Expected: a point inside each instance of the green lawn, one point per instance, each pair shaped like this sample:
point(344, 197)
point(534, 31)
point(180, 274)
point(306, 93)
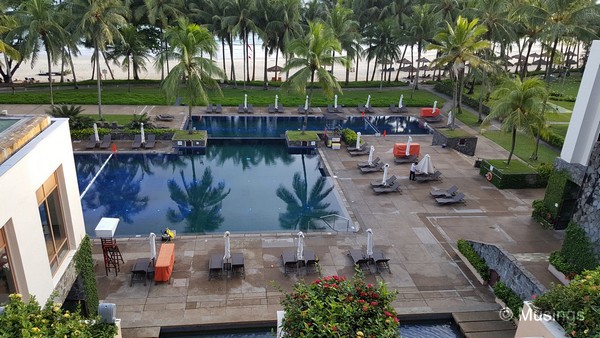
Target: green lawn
point(560, 129)
point(120, 119)
point(469, 119)
point(568, 86)
point(558, 117)
point(524, 147)
point(231, 97)
point(516, 166)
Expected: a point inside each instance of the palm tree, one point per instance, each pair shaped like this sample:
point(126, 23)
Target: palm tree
point(383, 46)
point(459, 46)
point(6, 24)
point(39, 23)
point(132, 49)
point(422, 25)
point(518, 104)
point(287, 27)
point(345, 29)
point(210, 12)
point(99, 22)
point(313, 53)
point(240, 21)
point(187, 41)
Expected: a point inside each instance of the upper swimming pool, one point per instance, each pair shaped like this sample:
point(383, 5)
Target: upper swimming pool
point(6, 123)
point(244, 126)
point(247, 186)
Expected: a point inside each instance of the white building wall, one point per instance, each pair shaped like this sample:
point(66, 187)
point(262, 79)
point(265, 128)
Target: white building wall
point(585, 121)
point(20, 177)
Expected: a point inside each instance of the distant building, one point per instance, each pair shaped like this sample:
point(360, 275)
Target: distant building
point(41, 221)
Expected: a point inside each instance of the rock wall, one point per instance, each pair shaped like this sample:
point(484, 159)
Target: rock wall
point(66, 282)
point(576, 171)
point(587, 211)
point(465, 145)
point(511, 272)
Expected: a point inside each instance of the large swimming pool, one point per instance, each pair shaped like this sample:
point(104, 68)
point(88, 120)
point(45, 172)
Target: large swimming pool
point(247, 186)
point(244, 126)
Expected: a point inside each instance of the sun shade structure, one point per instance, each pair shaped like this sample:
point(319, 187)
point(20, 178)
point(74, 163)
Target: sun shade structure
point(300, 247)
point(425, 166)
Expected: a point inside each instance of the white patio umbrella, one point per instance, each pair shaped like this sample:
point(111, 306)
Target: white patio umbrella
point(152, 240)
point(142, 132)
point(358, 140)
point(276, 98)
point(245, 101)
point(227, 255)
point(407, 152)
point(300, 248)
point(306, 104)
point(335, 101)
point(96, 136)
point(371, 151)
point(400, 101)
point(450, 118)
point(369, 242)
point(368, 101)
point(425, 166)
point(385, 173)
point(434, 105)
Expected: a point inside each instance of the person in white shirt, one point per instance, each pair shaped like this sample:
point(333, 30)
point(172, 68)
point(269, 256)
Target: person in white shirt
point(413, 171)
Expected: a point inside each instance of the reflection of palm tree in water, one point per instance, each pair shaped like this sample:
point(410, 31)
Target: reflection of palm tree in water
point(249, 155)
point(302, 205)
point(198, 202)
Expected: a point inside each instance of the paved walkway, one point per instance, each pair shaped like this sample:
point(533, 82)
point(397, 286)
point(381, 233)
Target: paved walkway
point(418, 236)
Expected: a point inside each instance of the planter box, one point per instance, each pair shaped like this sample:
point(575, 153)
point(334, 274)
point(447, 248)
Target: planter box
point(515, 318)
point(464, 144)
point(471, 267)
point(532, 325)
point(512, 180)
point(559, 275)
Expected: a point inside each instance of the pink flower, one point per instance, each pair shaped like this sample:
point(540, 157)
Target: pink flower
point(373, 303)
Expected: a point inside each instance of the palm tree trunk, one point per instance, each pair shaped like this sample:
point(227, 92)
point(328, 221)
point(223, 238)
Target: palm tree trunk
point(266, 85)
point(49, 74)
point(98, 81)
point(72, 67)
point(483, 88)
point(245, 61)
point(539, 65)
point(512, 146)
point(8, 77)
point(167, 56)
point(356, 67)
point(551, 59)
point(62, 65)
point(223, 52)
point(128, 78)
point(374, 69)
point(416, 86)
point(368, 66)
point(461, 85)
point(276, 60)
point(310, 95)
point(333, 63)
point(253, 57)
point(400, 66)
point(112, 75)
point(347, 73)
point(524, 69)
point(190, 115)
point(232, 76)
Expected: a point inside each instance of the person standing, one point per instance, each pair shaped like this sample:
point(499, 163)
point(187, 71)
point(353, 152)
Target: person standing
point(413, 171)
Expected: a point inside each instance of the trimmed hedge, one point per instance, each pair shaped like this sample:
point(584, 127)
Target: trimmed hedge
point(577, 250)
point(512, 180)
point(349, 137)
point(478, 263)
point(83, 134)
point(84, 264)
point(509, 297)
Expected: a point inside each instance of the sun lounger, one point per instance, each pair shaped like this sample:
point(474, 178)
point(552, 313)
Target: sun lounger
point(444, 192)
point(311, 261)
point(91, 143)
point(106, 141)
point(398, 110)
point(290, 261)
point(360, 259)
point(377, 167)
point(388, 182)
point(248, 109)
point(150, 141)
point(215, 266)
point(364, 151)
point(105, 125)
point(375, 161)
point(380, 260)
point(458, 198)
point(362, 147)
point(436, 176)
point(433, 119)
point(137, 141)
point(395, 187)
point(237, 264)
point(365, 109)
point(164, 117)
point(271, 109)
point(406, 159)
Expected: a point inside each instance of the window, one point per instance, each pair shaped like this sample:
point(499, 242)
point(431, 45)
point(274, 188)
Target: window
point(7, 281)
point(53, 223)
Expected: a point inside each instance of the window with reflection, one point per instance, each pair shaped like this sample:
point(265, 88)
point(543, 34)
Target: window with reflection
point(7, 280)
point(53, 224)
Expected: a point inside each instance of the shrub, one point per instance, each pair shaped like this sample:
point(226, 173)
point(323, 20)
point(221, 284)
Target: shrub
point(72, 112)
point(138, 119)
point(28, 319)
point(541, 214)
point(577, 250)
point(509, 297)
point(84, 264)
point(545, 170)
point(575, 305)
point(335, 307)
point(349, 137)
point(561, 264)
point(478, 263)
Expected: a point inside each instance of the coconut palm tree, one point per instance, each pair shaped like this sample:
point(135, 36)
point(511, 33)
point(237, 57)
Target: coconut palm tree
point(187, 41)
point(6, 24)
point(287, 27)
point(40, 25)
point(519, 104)
point(313, 53)
point(132, 49)
point(240, 21)
point(422, 25)
point(459, 46)
point(345, 29)
point(99, 22)
point(382, 46)
point(211, 13)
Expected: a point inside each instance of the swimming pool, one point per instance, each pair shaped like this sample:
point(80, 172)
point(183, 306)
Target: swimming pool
point(244, 126)
point(239, 186)
point(5, 123)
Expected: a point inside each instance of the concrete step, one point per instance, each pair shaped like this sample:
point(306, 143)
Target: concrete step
point(484, 324)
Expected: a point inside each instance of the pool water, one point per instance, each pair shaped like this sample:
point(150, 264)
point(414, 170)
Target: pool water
point(6, 123)
point(247, 186)
point(243, 126)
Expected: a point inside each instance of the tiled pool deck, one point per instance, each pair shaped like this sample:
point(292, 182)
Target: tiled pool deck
point(412, 230)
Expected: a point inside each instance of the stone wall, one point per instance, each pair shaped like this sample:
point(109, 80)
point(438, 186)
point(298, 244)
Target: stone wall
point(576, 171)
point(467, 146)
point(587, 211)
point(511, 272)
point(66, 282)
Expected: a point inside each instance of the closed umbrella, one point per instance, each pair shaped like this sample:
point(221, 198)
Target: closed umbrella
point(357, 140)
point(152, 240)
point(142, 132)
point(276, 98)
point(371, 151)
point(400, 101)
point(368, 101)
point(369, 242)
point(300, 248)
point(425, 166)
point(245, 101)
point(306, 104)
point(385, 173)
point(434, 106)
point(335, 101)
point(96, 136)
point(227, 255)
point(407, 152)
point(450, 118)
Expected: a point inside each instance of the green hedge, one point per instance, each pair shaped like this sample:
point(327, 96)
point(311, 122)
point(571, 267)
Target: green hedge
point(517, 176)
point(84, 134)
point(509, 297)
point(349, 137)
point(555, 191)
point(478, 263)
point(577, 250)
point(84, 264)
point(542, 214)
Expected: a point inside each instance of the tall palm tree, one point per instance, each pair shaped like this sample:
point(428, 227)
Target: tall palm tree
point(211, 13)
point(345, 29)
point(519, 105)
point(459, 46)
point(383, 47)
point(132, 49)
point(99, 22)
point(39, 23)
point(287, 27)
point(313, 53)
point(240, 20)
point(187, 42)
point(6, 24)
point(422, 25)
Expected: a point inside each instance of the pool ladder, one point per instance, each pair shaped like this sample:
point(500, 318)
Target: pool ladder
point(338, 223)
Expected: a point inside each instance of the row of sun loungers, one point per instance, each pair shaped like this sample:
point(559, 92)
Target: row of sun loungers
point(275, 110)
point(398, 110)
point(406, 159)
point(448, 196)
point(215, 109)
point(373, 163)
point(384, 189)
point(292, 264)
point(364, 262)
point(217, 265)
point(365, 109)
point(104, 144)
point(137, 142)
point(247, 110)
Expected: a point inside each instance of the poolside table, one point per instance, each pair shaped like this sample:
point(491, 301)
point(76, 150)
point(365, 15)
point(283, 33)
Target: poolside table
point(164, 263)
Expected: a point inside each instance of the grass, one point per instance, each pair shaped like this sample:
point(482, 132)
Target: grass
point(469, 119)
point(296, 135)
point(558, 117)
point(120, 119)
point(181, 135)
point(455, 133)
point(516, 166)
point(565, 104)
point(568, 86)
point(524, 147)
point(231, 97)
point(560, 129)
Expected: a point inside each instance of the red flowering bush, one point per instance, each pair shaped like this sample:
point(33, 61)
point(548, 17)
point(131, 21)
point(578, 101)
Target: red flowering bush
point(335, 307)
